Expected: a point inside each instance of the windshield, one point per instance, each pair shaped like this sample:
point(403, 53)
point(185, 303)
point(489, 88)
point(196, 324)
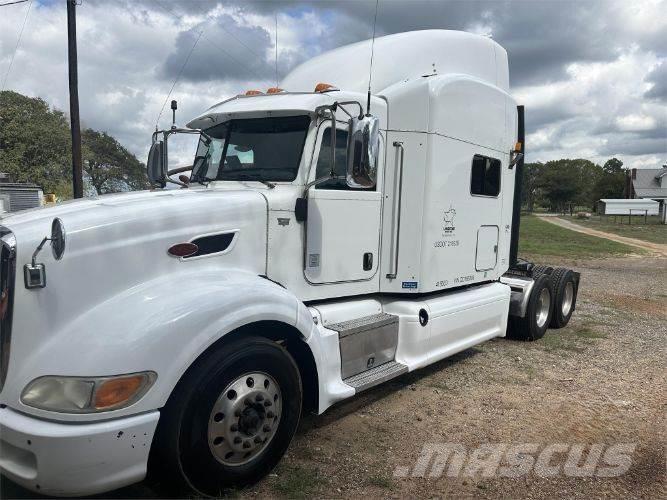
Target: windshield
point(261, 149)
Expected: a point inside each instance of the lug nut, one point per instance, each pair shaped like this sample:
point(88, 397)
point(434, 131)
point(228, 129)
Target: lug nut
point(237, 440)
point(246, 444)
point(266, 428)
point(269, 414)
point(234, 428)
point(267, 403)
point(259, 397)
point(258, 439)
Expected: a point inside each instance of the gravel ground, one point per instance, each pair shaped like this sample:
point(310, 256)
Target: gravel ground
point(601, 380)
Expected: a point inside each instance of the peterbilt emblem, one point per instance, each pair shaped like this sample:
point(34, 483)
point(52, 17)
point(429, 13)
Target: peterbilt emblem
point(370, 362)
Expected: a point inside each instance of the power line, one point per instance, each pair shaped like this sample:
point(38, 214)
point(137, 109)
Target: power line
point(178, 76)
point(219, 47)
point(13, 3)
point(18, 42)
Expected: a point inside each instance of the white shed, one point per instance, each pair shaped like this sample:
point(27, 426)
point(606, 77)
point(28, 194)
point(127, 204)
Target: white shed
point(628, 207)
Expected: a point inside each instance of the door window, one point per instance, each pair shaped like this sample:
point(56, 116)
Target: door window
point(485, 176)
point(323, 167)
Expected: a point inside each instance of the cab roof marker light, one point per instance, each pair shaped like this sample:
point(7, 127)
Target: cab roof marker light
point(253, 92)
point(325, 87)
point(275, 90)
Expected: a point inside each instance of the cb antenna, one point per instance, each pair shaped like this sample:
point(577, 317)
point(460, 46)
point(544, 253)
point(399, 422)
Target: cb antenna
point(370, 69)
point(276, 48)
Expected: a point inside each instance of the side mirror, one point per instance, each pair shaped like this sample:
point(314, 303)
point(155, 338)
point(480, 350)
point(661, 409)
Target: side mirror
point(363, 146)
point(156, 167)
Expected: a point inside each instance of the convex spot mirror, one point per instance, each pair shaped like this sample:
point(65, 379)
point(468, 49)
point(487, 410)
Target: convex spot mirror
point(363, 148)
point(156, 167)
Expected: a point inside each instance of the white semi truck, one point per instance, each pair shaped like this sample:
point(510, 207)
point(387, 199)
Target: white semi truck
point(329, 238)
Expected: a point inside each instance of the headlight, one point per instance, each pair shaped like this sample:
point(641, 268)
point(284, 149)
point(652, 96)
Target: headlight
point(86, 394)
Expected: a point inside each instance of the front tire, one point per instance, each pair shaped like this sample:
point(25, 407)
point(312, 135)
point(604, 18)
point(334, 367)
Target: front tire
point(538, 313)
point(230, 419)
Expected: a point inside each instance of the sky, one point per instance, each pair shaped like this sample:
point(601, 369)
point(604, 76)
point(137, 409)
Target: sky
point(591, 73)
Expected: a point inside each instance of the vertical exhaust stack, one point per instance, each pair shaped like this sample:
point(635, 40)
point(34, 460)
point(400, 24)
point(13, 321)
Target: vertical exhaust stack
point(518, 186)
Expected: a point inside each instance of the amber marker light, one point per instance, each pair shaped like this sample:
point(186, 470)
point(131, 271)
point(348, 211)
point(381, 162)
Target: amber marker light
point(254, 92)
point(275, 90)
point(115, 392)
point(324, 87)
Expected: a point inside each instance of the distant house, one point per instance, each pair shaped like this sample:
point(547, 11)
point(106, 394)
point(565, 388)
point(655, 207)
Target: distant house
point(620, 206)
point(18, 196)
point(649, 183)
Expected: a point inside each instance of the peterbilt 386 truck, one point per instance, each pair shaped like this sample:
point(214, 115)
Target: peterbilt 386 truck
point(331, 235)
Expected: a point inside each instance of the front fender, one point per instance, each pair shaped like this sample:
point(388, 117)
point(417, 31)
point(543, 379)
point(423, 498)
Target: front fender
point(162, 325)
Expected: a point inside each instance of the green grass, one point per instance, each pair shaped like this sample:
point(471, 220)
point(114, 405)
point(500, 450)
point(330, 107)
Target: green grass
point(294, 481)
point(570, 340)
point(381, 482)
point(653, 231)
point(539, 237)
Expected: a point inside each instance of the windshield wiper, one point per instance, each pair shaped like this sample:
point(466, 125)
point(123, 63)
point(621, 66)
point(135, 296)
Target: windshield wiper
point(247, 177)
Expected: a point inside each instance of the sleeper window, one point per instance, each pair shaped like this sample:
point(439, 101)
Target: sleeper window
point(485, 177)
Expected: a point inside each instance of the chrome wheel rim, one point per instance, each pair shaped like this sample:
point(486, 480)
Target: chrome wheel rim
point(543, 306)
point(244, 418)
point(568, 298)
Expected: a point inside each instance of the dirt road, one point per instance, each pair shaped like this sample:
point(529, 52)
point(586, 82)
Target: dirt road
point(600, 381)
point(655, 248)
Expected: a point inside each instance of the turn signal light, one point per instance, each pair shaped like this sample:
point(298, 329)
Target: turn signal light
point(253, 92)
point(116, 391)
point(517, 147)
point(275, 90)
point(324, 87)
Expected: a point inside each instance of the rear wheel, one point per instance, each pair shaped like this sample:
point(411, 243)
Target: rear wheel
point(538, 312)
point(230, 420)
point(565, 296)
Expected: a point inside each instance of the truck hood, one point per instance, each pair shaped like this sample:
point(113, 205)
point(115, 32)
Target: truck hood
point(115, 243)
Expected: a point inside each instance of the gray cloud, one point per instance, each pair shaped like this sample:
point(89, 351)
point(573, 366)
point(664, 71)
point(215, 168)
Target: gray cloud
point(658, 77)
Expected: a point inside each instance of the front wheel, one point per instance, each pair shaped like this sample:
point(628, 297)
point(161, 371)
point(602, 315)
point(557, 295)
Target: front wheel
point(230, 419)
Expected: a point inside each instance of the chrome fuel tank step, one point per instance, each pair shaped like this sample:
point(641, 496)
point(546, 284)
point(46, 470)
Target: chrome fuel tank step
point(375, 376)
point(366, 342)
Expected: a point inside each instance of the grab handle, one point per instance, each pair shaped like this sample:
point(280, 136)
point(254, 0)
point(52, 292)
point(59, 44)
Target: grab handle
point(396, 216)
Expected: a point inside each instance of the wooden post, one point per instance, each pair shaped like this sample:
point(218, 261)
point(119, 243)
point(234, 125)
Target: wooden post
point(75, 126)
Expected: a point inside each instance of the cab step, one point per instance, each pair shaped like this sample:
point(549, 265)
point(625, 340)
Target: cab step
point(375, 376)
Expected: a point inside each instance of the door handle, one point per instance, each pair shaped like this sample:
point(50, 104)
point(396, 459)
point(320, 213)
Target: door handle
point(396, 217)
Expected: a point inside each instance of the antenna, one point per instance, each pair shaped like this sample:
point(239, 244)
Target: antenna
point(370, 69)
point(276, 48)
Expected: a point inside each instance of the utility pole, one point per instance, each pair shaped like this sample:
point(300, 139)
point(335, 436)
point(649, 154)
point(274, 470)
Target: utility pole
point(77, 171)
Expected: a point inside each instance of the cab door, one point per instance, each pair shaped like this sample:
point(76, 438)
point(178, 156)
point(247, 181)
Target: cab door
point(343, 225)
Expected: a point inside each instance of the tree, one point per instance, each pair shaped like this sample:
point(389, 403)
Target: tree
point(109, 165)
point(611, 183)
point(34, 141)
point(35, 146)
point(532, 173)
point(569, 181)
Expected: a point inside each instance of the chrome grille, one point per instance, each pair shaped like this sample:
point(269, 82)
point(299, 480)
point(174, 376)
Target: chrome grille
point(7, 282)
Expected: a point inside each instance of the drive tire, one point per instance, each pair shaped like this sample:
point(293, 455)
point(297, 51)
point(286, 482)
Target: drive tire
point(538, 314)
point(565, 288)
point(182, 460)
point(538, 270)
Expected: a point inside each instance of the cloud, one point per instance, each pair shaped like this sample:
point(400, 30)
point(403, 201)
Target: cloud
point(593, 74)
